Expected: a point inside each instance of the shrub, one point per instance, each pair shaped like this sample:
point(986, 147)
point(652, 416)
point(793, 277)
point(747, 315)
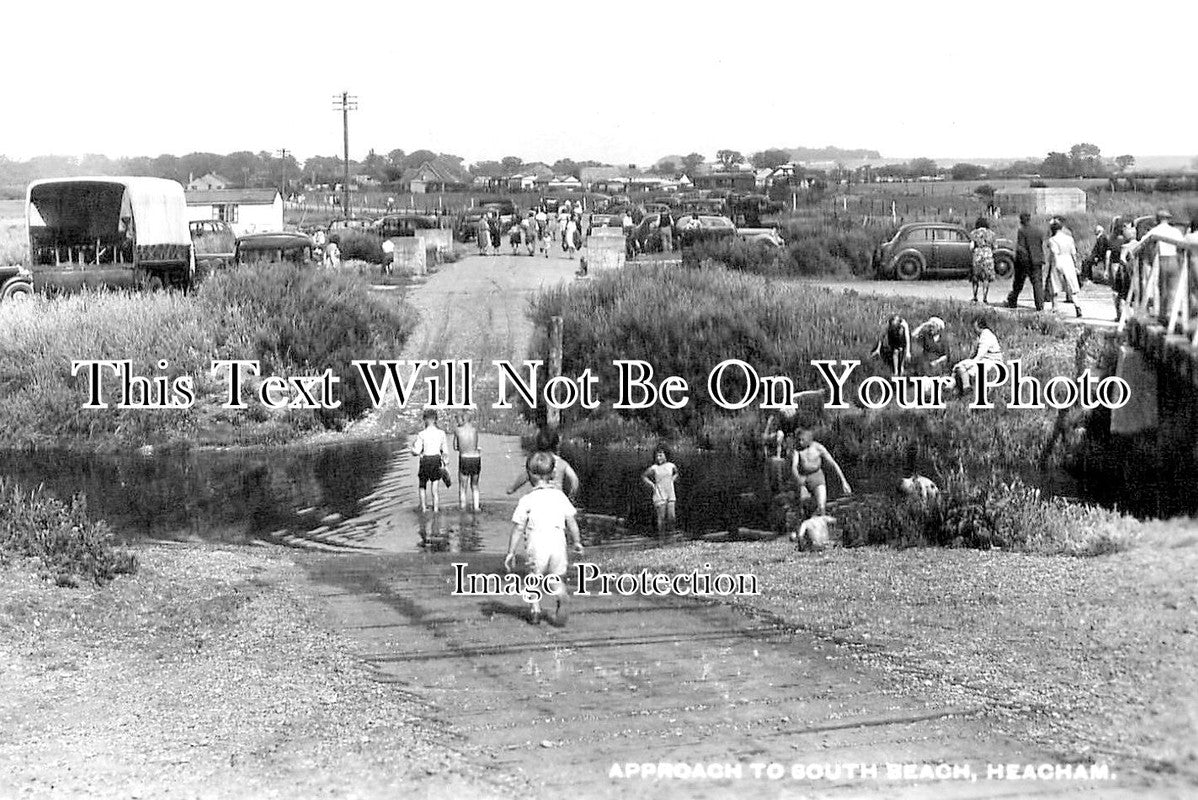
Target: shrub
point(991, 511)
point(357, 245)
point(66, 544)
point(985, 191)
point(305, 320)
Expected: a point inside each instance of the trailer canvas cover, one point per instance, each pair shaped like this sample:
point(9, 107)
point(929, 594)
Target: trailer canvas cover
point(97, 205)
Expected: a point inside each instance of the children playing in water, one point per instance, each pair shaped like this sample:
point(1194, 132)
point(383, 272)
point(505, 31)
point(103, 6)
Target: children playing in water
point(465, 441)
point(563, 477)
point(542, 518)
point(660, 477)
point(807, 467)
point(431, 447)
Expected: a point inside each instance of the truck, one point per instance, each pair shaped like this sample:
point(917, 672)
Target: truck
point(109, 231)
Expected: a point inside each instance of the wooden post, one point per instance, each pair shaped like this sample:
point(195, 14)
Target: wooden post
point(553, 415)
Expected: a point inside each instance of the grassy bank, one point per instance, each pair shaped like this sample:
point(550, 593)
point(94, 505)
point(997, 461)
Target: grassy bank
point(1091, 657)
point(209, 673)
point(294, 322)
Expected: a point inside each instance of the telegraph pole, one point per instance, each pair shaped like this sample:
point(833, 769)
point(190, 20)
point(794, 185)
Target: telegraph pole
point(345, 103)
point(283, 155)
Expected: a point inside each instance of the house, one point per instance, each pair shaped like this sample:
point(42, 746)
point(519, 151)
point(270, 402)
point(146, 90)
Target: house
point(565, 183)
point(589, 176)
point(209, 181)
point(736, 181)
point(246, 210)
point(436, 175)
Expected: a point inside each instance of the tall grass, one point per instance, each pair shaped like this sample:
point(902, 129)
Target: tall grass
point(686, 321)
point(294, 321)
point(65, 543)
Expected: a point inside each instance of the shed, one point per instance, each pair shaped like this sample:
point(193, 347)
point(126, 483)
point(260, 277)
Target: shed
point(1041, 202)
point(246, 210)
point(209, 181)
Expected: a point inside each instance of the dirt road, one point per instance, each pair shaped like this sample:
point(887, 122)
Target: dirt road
point(630, 679)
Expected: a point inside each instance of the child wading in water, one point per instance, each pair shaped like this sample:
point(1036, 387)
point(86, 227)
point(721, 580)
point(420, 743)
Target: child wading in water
point(807, 467)
point(660, 477)
point(431, 445)
point(542, 518)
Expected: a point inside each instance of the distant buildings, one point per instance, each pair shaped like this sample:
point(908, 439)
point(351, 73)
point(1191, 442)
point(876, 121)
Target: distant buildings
point(208, 182)
point(246, 210)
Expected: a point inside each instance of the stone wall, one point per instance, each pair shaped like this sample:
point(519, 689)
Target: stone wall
point(604, 249)
point(408, 257)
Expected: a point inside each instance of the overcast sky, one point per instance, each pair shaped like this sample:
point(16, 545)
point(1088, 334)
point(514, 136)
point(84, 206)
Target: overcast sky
point(614, 81)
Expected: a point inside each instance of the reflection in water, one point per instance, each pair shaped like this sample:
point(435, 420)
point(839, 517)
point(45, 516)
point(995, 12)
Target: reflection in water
point(453, 531)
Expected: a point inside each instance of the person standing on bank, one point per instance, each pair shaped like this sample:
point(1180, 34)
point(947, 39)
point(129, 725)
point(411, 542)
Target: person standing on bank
point(1063, 252)
point(1029, 263)
point(981, 241)
point(807, 467)
point(660, 477)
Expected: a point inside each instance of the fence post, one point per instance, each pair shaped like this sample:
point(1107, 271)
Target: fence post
point(553, 415)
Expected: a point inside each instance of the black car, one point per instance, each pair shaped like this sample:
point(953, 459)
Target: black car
point(394, 225)
point(935, 249)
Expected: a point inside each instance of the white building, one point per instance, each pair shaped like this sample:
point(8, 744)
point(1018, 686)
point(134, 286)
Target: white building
point(246, 210)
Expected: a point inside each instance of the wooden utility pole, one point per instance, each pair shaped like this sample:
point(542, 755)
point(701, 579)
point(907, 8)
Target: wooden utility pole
point(283, 191)
point(345, 103)
point(553, 416)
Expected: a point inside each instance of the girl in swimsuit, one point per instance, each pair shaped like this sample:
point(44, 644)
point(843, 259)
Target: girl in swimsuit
point(807, 467)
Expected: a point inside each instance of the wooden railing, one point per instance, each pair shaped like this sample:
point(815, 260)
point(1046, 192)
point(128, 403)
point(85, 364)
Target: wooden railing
point(1145, 297)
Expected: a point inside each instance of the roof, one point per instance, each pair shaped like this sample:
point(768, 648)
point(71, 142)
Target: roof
point(437, 170)
point(589, 174)
point(212, 177)
point(152, 202)
point(272, 241)
point(199, 197)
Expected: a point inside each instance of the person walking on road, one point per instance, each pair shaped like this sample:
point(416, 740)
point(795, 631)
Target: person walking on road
point(484, 235)
point(981, 242)
point(1029, 263)
point(1063, 252)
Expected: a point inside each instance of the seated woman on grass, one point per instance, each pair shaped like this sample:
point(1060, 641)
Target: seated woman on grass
point(807, 467)
point(933, 346)
point(987, 354)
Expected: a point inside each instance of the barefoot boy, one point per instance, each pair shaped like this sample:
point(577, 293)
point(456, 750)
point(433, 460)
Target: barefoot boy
point(660, 477)
point(470, 459)
point(430, 446)
point(542, 517)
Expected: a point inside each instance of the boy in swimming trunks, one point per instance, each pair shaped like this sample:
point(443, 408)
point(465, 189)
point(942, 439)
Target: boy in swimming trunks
point(781, 427)
point(660, 477)
point(807, 468)
point(431, 446)
point(563, 477)
point(470, 462)
point(542, 518)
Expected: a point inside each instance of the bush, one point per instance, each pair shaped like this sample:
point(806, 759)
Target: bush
point(305, 320)
point(356, 245)
point(66, 544)
point(991, 511)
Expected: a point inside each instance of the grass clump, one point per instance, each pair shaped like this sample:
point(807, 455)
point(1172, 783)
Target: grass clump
point(67, 546)
point(991, 511)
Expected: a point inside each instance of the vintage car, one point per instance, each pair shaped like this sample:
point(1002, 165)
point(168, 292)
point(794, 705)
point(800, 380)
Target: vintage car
point(935, 249)
point(688, 229)
point(106, 231)
point(214, 243)
point(394, 225)
point(16, 282)
point(265, 248)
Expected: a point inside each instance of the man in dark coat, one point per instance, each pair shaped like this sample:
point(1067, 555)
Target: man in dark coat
point(1029, 263)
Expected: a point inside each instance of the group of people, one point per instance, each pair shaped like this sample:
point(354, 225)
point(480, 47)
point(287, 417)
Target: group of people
point(533, 232)
point(895, 349)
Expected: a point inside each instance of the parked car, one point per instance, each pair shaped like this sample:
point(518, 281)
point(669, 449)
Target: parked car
point(769, 236)
point(604, 221)
point(261, 248)
point(214, 243)
point(16, 282)
point(935, 249)
point(687, 230)
point(394, 225)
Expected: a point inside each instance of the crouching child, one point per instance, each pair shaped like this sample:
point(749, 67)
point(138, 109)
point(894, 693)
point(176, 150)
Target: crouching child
point(542, 518)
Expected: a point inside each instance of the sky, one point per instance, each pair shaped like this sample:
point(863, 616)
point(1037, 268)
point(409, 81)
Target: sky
point(618, 82)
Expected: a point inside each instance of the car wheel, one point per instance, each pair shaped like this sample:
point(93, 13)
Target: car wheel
point(17, 292)
point(908, 268)
point(1003, 266)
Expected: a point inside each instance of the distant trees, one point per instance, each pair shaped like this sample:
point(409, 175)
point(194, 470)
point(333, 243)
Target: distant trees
point(967, 172)
point(769, 159)
point(923, 167)
point(1125, 162)
point(729, 158)
point(1057, 165)
point(511, 164)
point(666, 167)
point(691, 163)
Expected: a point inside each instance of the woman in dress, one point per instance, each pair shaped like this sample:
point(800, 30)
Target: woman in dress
point(981, 241)
point(933, 346)
point(1062, 251)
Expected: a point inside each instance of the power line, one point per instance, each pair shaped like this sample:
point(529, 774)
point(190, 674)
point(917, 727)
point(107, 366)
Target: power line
point(345, 103)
